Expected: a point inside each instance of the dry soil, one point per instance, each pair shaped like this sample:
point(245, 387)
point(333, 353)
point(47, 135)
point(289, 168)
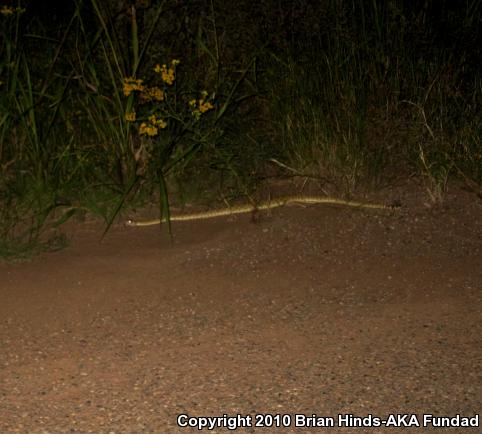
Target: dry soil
point(318, 310)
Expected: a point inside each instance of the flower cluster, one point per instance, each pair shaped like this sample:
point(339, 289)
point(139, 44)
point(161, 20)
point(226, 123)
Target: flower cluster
point(132, 84)
point(200, 105)
point(130, 116)
point(152, 127)
point(168, 75)
point(157, 101)
point(152, 94)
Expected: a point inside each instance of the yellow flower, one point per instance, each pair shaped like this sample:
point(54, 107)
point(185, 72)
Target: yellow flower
point(131, 84)
point(175, 62)
point(150, 130)
point(156, 93)
point(205, 106)
point(200, 106)
point(167, 74)
point(130, 116)
point(152, 93)
point(157, 122)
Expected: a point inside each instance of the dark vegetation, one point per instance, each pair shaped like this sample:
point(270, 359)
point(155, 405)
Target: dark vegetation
point(349, 92)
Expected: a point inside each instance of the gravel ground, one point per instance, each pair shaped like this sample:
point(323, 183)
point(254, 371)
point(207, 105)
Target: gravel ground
point(340, 315)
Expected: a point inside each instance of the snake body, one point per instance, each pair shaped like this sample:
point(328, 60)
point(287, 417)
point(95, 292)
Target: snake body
point(270, 204)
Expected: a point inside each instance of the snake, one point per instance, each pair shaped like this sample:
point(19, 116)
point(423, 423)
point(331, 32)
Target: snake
point(267, 205)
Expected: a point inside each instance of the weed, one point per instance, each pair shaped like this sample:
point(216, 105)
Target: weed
point(94, 114)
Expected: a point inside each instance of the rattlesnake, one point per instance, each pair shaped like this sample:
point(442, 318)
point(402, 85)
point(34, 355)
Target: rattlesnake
point(270, 204)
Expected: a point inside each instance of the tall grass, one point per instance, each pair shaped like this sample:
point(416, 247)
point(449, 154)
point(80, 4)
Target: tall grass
point(74, 138)
point(32, 138)
point(151, 125)
point(375, 91)
point(344, 91)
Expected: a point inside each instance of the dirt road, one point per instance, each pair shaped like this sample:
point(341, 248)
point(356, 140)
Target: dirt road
point(320, 310)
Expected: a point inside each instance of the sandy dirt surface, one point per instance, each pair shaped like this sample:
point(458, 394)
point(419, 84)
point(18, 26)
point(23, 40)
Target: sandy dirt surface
point(317, 310)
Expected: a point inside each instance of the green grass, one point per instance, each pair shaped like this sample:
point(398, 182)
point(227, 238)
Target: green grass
point(360, 103)
point(355, 94)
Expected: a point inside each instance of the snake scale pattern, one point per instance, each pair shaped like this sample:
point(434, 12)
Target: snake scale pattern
point(267, 205)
